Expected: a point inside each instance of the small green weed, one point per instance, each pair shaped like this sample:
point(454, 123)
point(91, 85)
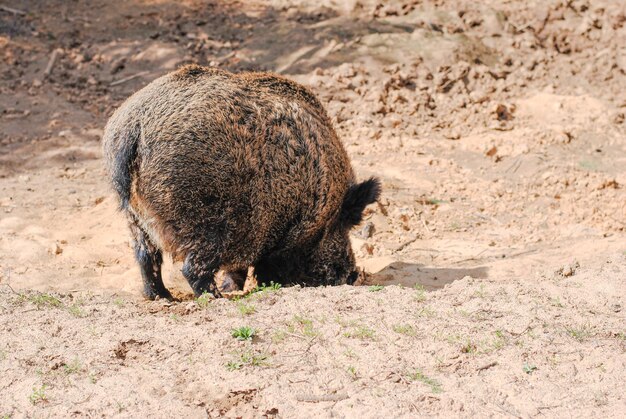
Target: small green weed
point(265, 288)
point(248, 358)
point(76, 310)
point(499, 341)
point(434, 385)
point(352, 371)
point(278, 336)
point(425, 312)
point(361, 332)
point(480, 292)
point(233, 365)
point(38, 395)
point(303, 325)
point(374, 288)
point(556, 302)
point(469, 347)
point(245, 309)
point(119, 302)
point(204, 300)
point(420, 294)
point(243, 333)
point(73, 367)
point(579, 333)
point(528, 368)
point(404, 329)
point(42, 300)
point(350, 353)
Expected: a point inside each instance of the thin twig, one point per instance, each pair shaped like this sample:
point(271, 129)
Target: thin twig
point(323, 398)
point(12, 10)
point(487, 366)
point(129, 78)
point(11, 288)
point(405, 244)
point(51, 62)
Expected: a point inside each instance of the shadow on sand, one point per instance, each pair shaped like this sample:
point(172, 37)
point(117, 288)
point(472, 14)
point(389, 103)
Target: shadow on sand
point(411, 274)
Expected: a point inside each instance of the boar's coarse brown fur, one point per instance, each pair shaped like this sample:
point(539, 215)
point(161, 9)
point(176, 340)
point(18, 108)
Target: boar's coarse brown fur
point(227, 171)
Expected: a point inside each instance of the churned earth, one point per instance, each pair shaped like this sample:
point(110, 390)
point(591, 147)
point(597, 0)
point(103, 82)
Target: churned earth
point(498, 130)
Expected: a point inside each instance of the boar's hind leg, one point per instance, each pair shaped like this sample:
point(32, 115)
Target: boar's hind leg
point(149, 258)
point(200, 270)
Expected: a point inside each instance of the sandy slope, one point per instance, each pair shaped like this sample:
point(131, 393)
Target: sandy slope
point(498, 132)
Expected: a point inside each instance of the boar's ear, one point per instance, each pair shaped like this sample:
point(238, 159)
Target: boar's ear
point(357, 198)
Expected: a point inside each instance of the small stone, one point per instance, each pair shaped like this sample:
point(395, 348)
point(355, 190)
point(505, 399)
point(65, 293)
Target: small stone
point(367, 231)
point(569, 269)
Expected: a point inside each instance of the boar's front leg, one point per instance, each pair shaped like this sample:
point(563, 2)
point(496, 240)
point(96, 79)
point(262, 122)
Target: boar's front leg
point(199, 270)
point(149, 258)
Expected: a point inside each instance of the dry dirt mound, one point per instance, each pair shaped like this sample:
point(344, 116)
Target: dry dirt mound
point(551, 346)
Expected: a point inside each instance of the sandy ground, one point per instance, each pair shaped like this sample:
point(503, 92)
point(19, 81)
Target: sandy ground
point(498, 131)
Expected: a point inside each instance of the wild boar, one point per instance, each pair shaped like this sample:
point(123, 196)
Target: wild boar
point(227, 171)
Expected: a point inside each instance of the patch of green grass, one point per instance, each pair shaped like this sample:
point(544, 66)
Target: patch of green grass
point(73, 367)
point(233, 365)
point(404, 329)
point(38, 395)
point(243, 333)
point(76, 310)
point(361, 332)
point(434, 385)
point(420, 292)
point(265, 288)
point(3, 354)
point(175, 318)
point(346, 323)
point(247, 358)
point(303, 325)
point(92, 378)
point(499, 341)
point(204, 300)
point(528, 368)
point(425, 312)
point(374, 288)
point(352, 371)
point(245, 309)
point(119, 302)
point(7, 416)
point(42, 300)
